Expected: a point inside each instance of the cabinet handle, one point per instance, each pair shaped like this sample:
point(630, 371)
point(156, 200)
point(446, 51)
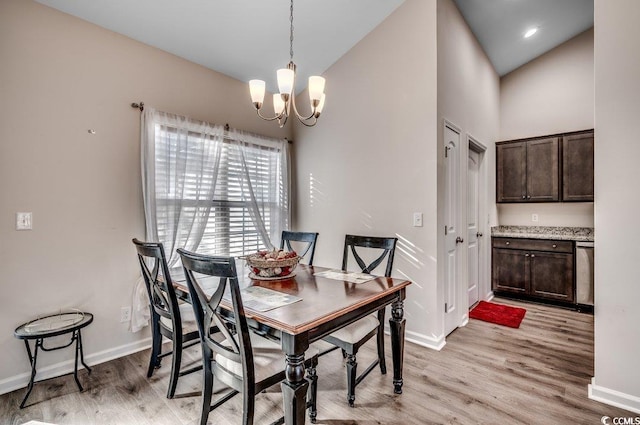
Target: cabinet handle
point(554, 245)
point(526, 255)
point(524, 197)
point(507, 243)
point(478, 235)
point(533, 255)
point(459, 240)
point(529, 197)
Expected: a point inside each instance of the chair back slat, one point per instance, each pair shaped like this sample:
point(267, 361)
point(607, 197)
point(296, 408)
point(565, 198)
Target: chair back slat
point(157, 279)
point(386, 244)
point(307, 238)
point(216, 335)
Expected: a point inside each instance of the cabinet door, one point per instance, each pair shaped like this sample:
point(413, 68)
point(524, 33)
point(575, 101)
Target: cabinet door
point(577, 167)
point(511, 172)
point(543, 170)
point(552, 275)
point(510, 270)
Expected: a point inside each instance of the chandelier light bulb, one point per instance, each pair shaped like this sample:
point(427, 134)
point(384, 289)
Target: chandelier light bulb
point(257, 88)
point(316, 89)
point(285, 80)
point(278, 104)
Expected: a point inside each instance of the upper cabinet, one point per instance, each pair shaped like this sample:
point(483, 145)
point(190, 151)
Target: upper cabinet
point(577, 167)
point(527, 171)
point(545, 169)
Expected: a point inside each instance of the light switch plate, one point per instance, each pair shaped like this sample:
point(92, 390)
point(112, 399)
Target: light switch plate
point(534, 217)
point(24, 221)
point(417, 219)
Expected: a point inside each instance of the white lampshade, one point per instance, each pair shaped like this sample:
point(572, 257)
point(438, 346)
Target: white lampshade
point(278, 104)
point(285, 80)
point(316, 87)
point(257, 87)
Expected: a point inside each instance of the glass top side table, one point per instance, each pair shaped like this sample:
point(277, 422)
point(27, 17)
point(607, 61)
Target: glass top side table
point(49, 326)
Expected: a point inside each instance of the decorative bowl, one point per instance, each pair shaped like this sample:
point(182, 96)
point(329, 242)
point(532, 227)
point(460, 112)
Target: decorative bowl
point(272, 264)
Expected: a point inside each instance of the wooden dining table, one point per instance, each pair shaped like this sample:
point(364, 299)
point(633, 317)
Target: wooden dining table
point(325, 305)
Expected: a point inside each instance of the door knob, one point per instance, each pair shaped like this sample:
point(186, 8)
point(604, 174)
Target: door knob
point(478, 235)
point(459, 240)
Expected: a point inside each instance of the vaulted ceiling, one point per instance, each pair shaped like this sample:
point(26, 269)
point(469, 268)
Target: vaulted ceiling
point(248, 39)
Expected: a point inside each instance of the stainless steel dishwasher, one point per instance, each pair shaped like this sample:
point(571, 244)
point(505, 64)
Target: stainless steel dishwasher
point(584, 272)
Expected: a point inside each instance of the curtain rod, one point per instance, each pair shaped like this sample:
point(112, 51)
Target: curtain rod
point(140, 106)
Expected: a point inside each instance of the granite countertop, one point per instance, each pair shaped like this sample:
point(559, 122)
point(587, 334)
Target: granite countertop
point(544, 232)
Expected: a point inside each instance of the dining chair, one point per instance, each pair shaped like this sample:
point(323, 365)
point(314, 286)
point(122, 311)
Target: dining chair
point(239, 358)
point(305, 240)
point(353, 336)
point(169, 317)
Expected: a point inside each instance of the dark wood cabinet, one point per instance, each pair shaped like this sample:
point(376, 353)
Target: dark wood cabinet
point(577, 167)
point(534, 268)
point(546, 169)
point(527, 171)
point(511, 161)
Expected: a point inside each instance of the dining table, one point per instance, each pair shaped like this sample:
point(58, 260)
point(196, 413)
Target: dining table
point(325, 300)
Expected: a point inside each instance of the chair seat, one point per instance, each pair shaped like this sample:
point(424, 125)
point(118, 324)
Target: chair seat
point(268, 358)
point(354, 332)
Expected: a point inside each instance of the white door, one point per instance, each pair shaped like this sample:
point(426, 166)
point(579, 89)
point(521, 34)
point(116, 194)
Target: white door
point(453, 235)
point(473, 228)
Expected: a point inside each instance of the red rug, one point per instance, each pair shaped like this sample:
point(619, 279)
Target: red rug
point(498, 313)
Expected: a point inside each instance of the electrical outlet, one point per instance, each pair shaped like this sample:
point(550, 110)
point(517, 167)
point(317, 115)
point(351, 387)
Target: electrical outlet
point(125, 314)
point(534, 217)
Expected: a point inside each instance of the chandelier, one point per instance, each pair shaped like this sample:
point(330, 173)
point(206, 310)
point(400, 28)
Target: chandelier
point(284, 103)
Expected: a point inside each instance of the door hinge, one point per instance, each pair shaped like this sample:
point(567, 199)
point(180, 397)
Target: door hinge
point(446, 151)
point(445, 230)
point(446, 308)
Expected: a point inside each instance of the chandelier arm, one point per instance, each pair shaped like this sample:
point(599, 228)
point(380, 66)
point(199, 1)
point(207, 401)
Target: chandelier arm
point(295, 110)
point(308, 125)
point(277, 117)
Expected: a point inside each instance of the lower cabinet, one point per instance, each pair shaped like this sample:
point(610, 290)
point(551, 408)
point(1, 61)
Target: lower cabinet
point(535, 268)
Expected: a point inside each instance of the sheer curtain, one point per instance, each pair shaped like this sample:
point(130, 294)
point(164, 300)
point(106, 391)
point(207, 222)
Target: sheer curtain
point(209, 189)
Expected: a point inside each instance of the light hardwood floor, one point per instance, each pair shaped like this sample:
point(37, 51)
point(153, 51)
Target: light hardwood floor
point(486, 374)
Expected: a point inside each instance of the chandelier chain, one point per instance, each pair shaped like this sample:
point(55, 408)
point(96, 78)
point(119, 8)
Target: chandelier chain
point(291, 32)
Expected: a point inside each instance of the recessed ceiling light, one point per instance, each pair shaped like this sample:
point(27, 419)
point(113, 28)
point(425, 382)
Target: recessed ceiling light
point(530, 32)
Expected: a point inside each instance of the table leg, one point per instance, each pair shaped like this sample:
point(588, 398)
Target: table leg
point(396, 325)
point(32, 359)
point(86, 366)
point(77, 336)
point(294, 388)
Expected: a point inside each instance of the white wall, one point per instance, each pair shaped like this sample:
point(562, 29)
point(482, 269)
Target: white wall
point(59, 77)
point(551, 94)
point(617, 291)
point(469, 98)
point(371, 162)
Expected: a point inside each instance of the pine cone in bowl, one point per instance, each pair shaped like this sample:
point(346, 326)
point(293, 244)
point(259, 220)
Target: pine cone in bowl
point(272, 264)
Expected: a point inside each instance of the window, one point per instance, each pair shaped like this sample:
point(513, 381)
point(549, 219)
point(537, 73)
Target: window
point(216, 191)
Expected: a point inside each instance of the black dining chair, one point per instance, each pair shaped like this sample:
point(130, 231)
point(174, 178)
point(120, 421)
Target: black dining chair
point(244, 361)
point(304, 241)
point(169, 317)
point(353, 336)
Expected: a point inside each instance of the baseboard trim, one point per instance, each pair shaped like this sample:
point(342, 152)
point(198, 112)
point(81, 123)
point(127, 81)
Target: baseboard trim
point(21, 380)
point(425, 341)
point(418, 338)
point(613, 397)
